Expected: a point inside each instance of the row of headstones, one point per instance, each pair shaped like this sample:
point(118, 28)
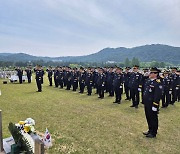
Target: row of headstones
point(39, 145)
point(6, 74)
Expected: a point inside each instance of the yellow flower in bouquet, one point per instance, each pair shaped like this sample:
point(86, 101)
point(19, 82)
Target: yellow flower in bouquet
point(27, 128)
point(21, 122)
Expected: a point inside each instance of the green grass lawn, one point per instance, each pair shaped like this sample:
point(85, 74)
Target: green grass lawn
point(85, 124)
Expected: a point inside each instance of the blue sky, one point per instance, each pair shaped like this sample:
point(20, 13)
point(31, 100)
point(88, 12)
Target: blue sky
point(80, 27)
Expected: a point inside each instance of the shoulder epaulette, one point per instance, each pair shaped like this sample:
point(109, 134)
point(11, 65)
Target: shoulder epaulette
point(158, 80)
point(162, 77)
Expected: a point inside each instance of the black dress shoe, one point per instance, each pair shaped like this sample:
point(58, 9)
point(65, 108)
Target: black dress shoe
point(150, 136)
point(136, 106)
point(115, 102)
point(119, 102)
point(172, 103)
point(127, 99)
point(132, 106)
point(39, 91)
point(146, 133)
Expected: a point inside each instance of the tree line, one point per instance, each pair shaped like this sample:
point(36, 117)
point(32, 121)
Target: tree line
point(127, 63)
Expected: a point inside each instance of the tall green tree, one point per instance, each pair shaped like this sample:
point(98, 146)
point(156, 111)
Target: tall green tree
point(162, 65)
point(127, 62)
point(135, 61)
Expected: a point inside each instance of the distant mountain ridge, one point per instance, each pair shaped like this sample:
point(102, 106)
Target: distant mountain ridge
point(146, 53)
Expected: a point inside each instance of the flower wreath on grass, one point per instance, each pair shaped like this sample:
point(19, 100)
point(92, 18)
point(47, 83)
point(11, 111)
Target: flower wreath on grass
point(23, 133)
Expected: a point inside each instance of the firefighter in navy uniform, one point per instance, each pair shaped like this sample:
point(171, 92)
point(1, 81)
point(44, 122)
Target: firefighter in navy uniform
point(89, 81)
point(118, 85)
point(42, 70)
point(151, 98)
point(110, 78)
point(29, 74)
point(20, 74)
point(95, 77)
point(135, 86)
point(74, 79)
point(101, 83)
point(105, 71)
point(60, 77)
point(68, 78)
point(56, 77)
point(167, 90)
point(39, 76)
point(178, 86)
point(126, 83)
point(82, 78)
point(174, 84)
point(50, 74)
point(145, 76)
point(64, 76)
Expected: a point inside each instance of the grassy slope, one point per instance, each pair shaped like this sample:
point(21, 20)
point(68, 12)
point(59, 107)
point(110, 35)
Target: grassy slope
point(82, 124)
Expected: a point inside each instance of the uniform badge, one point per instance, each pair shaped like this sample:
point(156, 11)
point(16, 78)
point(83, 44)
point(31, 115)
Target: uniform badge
point(160, 87)
point(158, 80)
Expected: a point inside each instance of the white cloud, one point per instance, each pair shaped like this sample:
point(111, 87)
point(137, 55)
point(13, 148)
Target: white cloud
point(77, 27)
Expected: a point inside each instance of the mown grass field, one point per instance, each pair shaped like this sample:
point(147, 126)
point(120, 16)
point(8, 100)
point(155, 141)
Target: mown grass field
point(85, 124)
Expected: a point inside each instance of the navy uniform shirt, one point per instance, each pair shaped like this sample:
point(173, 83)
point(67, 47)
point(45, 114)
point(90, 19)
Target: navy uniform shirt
point(135, 80)
point(174, 78)
point(110, 77)
point(68, 76)
point(74, 77)
point(60, 75)
point(56, 74)
point(166, 81)
point(126, 78)
point(101, 79)
point(39, 75)
point(89, 79)
point(28, 72)
point(50, 73)
point(82, 77)
point(152, 93)
point(19, 72)
point(118, 81)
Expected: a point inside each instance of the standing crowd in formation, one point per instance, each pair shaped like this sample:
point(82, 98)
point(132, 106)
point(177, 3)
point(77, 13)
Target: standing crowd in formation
point(148, 85)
